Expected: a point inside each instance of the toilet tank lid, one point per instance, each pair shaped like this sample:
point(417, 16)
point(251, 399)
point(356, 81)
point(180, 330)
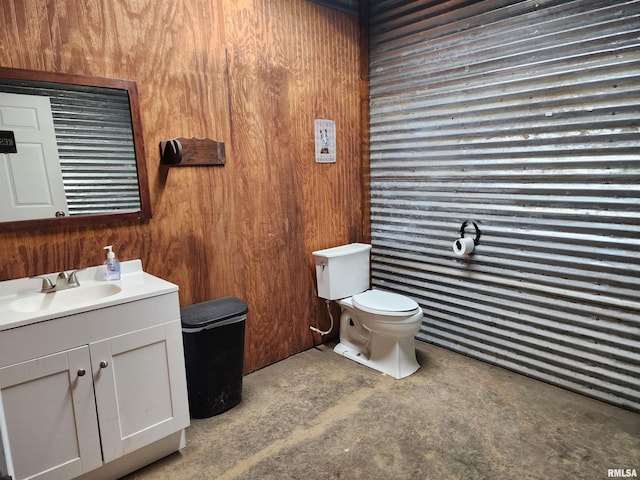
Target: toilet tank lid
point(342, 250)
point(378, 301)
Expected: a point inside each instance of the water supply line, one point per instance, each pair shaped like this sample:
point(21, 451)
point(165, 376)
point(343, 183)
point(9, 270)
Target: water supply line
point(326, 332)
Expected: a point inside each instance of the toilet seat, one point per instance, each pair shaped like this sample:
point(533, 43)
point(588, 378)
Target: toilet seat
point(379, 302)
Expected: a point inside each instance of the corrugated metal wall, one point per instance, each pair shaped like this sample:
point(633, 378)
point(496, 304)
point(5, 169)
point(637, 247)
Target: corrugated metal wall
point(95, 144)
point(524, 117)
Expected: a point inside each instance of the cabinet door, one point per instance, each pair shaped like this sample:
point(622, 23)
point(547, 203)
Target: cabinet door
point(140, 388)
point(48, 416)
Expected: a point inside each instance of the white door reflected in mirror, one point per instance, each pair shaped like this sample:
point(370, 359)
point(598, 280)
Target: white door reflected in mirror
point(31, 186)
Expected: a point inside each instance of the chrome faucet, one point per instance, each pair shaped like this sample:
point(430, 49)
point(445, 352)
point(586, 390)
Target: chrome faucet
point(63, 282)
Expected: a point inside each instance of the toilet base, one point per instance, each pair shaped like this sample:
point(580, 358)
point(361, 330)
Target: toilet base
point(390, 355)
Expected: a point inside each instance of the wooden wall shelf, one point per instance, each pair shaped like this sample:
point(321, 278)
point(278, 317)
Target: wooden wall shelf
point(190, 152)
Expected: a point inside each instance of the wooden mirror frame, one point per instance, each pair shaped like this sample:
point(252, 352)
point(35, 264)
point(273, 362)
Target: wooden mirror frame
point(142, 215)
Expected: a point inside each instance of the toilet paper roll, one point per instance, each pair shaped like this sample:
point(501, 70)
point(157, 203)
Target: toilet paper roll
point(463, 246)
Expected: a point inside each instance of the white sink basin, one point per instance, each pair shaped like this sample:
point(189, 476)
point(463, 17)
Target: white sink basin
point(65, 298)
point(22, 303)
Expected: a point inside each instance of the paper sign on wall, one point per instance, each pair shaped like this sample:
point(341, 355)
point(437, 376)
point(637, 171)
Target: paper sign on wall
point(325, 141)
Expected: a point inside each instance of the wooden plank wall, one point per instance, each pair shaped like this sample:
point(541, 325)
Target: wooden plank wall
point(253, 74)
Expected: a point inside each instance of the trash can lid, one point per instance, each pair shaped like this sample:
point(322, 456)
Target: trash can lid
point(213, 313)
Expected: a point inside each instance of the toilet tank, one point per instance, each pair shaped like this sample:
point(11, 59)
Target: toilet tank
point(342, 271)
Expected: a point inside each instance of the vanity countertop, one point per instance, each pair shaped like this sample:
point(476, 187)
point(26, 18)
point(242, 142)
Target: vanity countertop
point(22, 303)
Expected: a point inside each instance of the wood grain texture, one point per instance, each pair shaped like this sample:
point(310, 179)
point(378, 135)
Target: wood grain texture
point(253, 74)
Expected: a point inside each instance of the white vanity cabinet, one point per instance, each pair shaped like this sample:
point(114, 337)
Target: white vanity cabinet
point(95, 394)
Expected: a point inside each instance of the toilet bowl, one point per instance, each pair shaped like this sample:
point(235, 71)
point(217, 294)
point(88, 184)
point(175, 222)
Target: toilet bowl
point(377, 327)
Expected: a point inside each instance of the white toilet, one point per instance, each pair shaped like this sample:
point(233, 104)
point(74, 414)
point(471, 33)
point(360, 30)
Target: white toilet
point(376, 327)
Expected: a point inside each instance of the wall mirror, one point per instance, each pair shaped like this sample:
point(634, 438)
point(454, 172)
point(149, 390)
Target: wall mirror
point(71, 151)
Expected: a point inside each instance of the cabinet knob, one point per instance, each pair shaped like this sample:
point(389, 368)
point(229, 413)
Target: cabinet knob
point(104, 364)
point(81, 372)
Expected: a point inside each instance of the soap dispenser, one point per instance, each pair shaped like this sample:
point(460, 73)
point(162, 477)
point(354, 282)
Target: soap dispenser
point(112, 270)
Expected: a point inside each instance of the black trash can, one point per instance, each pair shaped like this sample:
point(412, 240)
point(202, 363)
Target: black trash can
point(213, 336)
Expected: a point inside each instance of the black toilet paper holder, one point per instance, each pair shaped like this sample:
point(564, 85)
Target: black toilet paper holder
point(478, 232)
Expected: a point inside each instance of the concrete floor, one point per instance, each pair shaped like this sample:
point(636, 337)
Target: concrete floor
point(317, 415)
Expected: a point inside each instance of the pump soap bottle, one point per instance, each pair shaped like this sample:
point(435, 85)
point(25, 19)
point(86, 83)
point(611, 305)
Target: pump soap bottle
point(112, 270)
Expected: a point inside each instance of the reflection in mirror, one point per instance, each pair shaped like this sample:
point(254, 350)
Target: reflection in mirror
point(78, 156)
